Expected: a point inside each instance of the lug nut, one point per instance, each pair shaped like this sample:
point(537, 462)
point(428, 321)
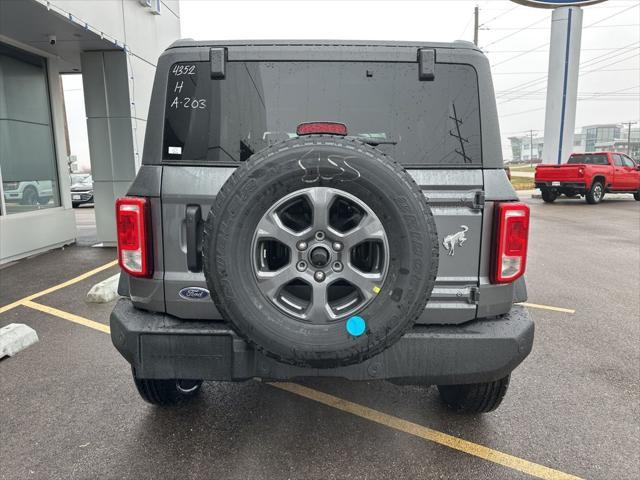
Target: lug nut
point(318, 276)
point(337, 246)
point(302, 245)
point(320, 235)
point(301, 266)
point(337, 267)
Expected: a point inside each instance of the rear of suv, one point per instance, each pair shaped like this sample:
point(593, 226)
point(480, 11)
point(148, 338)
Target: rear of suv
point(327, 209)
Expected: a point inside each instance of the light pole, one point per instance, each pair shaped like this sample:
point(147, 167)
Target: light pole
point(629, 137)
point(476, 18)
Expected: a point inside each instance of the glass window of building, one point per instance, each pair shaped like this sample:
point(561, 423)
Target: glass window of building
point(605, 134)
point(591, 139)
point(27, 152)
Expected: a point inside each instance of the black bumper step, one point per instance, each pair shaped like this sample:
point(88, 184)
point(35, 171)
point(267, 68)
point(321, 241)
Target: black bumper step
point(162, 346)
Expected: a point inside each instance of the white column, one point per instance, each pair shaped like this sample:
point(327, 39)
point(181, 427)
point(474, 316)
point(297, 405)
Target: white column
point(562, 84)
point(109, 124)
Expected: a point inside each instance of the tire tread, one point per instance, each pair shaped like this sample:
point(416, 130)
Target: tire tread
point(159, 391)
point(475, 397)
point(591, 200)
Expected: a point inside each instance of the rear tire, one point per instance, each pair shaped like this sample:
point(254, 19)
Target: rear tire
point(637, 196)
point(166, 392)
point(474, 397)
point(549, 196)
point(595, 193)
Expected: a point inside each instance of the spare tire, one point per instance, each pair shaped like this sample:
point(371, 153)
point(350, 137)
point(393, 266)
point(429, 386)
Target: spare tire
point(320, 251)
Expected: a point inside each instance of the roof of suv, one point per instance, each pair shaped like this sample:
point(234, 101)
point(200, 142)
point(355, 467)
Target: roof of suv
point(189, 42)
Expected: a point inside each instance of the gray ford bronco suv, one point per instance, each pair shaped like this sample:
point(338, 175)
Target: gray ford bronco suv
point(334, 209)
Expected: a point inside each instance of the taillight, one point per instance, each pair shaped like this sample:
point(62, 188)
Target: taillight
point(329, 128)
point(511, 237)
point(133, 247)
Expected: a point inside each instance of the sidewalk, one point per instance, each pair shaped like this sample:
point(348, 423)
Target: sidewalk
point(528, 193)
point(515, 173)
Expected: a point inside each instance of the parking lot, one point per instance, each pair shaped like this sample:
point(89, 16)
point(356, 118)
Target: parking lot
point(69, 409)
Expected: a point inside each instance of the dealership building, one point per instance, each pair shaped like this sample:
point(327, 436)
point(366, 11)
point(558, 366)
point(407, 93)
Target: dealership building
point(114, 45)
point(609, 137)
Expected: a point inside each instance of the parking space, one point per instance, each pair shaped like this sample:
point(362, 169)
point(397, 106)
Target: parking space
point(68, 407)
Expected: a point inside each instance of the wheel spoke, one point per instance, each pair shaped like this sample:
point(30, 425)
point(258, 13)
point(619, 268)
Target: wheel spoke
point(369, 228)
point(320, 199)
point(271, 227)
point(272, 282)
point(319, 310)
point(367, 283)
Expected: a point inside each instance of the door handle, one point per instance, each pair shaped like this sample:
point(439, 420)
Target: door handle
point(194, 242)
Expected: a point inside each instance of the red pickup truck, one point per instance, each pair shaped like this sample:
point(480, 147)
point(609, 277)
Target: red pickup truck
point(589, 175)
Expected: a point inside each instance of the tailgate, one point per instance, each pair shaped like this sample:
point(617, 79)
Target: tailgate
point(179, 280)
point(456, 198)
point(561, 173)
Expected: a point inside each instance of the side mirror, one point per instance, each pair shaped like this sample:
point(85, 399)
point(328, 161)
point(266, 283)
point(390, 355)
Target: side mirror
point(638, 166)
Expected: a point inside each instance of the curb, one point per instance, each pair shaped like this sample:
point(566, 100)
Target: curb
point(16, 337)
point(105, 291)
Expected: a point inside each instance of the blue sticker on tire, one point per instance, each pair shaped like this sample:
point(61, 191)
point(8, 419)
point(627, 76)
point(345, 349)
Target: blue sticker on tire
point(356, 326)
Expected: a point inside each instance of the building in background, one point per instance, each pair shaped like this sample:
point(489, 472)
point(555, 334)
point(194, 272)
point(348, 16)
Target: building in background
point(114, 46)
point(595, 134)
point(526, 148)
point(613, 137)
point(516, 149)
point(628, 142)
point(578, 142)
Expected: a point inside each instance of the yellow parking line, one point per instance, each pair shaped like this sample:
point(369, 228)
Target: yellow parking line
point(504, 459)
point(77, 279)
point(547, 307)
point(67, 316)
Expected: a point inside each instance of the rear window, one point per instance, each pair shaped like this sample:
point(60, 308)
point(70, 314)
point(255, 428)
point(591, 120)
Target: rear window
point(589, 159)
point(261, 103)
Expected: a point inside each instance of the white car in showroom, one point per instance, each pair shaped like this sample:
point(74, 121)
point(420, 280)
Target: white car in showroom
point(29, 192)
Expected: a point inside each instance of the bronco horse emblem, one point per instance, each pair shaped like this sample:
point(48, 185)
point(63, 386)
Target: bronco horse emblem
point(459, 238)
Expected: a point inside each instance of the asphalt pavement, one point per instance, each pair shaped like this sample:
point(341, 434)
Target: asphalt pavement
point(69, 409)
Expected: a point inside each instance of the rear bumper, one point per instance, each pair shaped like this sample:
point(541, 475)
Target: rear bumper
point(161, 346)
point(79, 198)
point(578, 186)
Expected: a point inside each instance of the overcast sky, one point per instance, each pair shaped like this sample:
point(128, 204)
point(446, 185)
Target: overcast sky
point(609, 58)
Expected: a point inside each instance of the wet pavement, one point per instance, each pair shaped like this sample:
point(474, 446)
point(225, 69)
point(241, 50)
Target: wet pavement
point(69, 409)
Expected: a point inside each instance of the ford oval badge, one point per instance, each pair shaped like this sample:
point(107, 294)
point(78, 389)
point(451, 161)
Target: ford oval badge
point(193, 293)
